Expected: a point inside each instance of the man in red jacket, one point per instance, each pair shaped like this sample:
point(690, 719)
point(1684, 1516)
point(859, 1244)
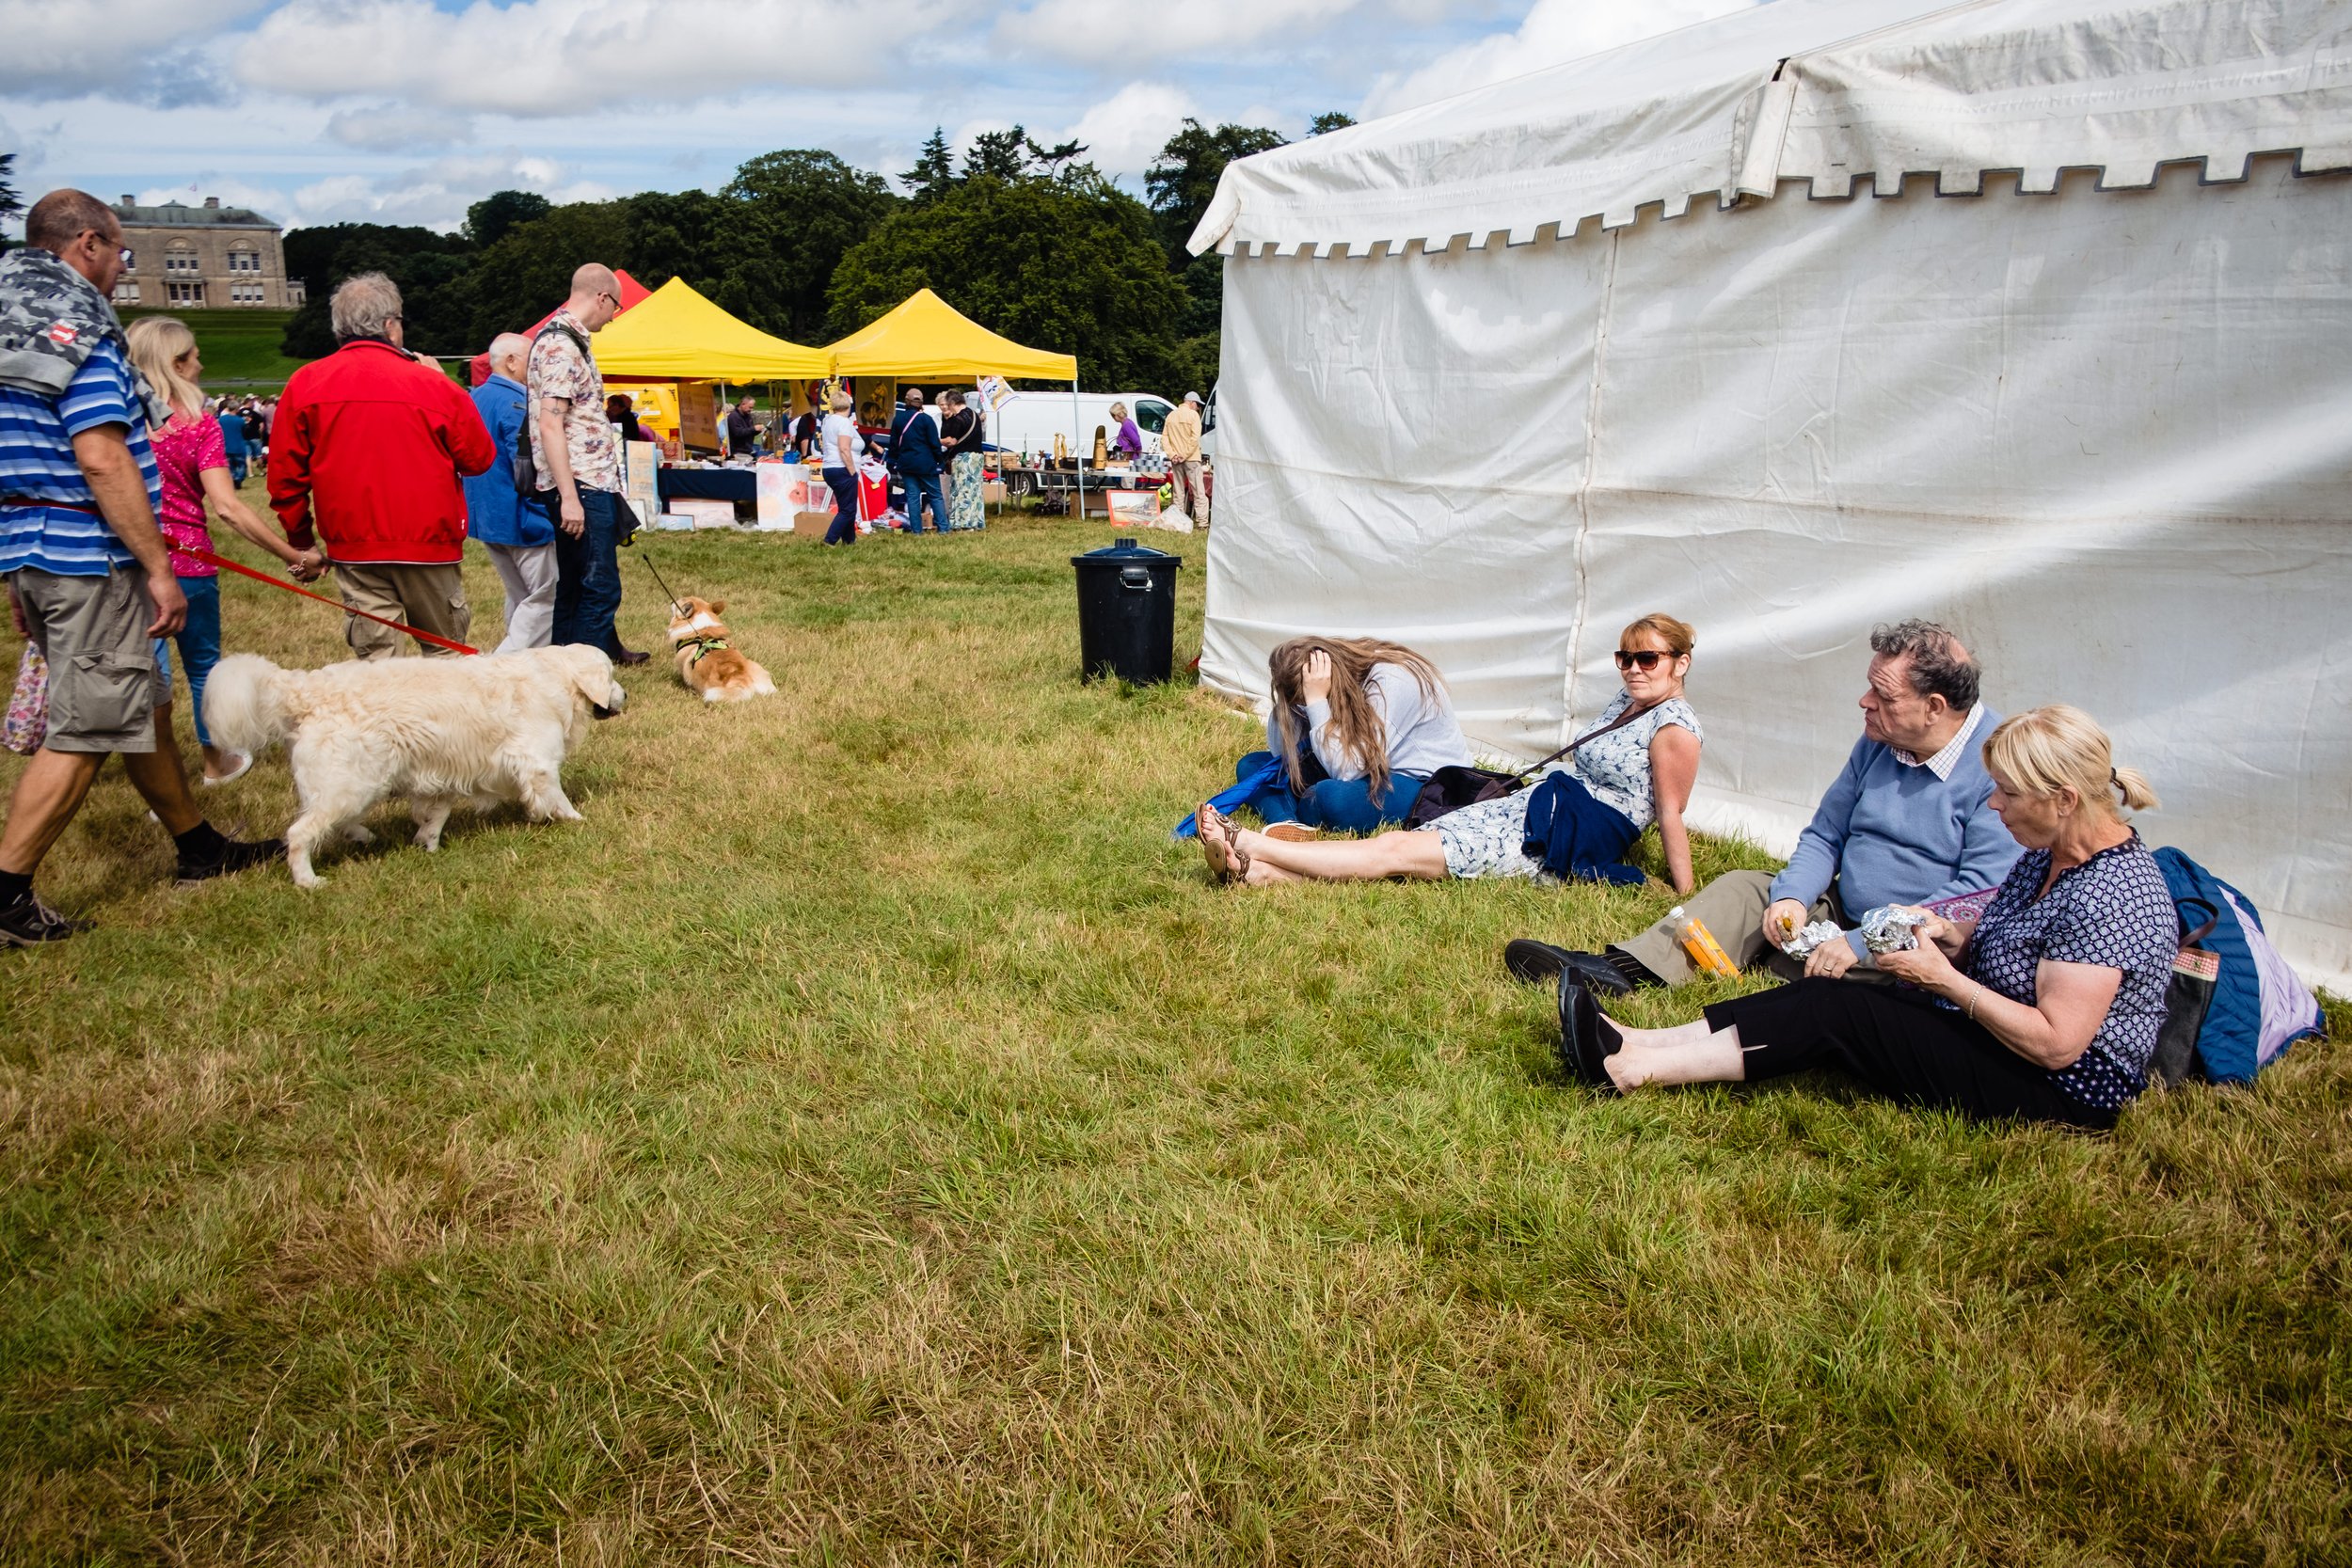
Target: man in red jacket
point(369, 447)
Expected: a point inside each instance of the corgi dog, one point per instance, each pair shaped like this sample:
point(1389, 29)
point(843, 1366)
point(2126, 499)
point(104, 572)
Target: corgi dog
point(705, 662)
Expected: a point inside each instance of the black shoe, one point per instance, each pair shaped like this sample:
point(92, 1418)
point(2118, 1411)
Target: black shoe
point(631, 657)
point(28, 922)
point(235, 855)
point(1538, 963)
point(1587, 1040)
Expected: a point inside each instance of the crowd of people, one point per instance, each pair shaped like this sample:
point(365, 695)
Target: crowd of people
point(378, 468)
point(2042, 934)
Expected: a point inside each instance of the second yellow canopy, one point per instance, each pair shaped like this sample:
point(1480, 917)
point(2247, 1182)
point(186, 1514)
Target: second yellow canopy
point(926, 338)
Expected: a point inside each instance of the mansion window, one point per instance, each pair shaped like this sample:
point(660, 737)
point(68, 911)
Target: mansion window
point(245, 261)
point(186, 293)
point(181, 262)
point(126, 294)
point(245, 293)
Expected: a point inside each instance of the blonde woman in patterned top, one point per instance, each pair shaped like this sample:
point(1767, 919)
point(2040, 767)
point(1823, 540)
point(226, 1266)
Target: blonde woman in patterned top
point(2043, 1009)
point(1634, 765)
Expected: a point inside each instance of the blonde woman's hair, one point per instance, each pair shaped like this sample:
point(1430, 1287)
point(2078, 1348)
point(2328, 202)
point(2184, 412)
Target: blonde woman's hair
point(1118, 410)
point(2046, 750)
point(842, 403)
point(158, 343)
point(1357, 726)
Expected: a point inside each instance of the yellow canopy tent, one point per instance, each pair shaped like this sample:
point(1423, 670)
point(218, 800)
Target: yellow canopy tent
point(926, 338)
point(676, 334)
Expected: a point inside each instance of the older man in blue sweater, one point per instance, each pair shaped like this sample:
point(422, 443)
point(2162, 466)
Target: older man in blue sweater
point(1905, 822)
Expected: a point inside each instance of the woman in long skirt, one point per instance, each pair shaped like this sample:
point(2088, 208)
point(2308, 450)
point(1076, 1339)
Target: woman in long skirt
point(959, 433)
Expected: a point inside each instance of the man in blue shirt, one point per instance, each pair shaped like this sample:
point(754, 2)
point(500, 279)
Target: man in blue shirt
point(1905, 822)
point(520, 538)
point(232, 441)
point(916, 457)
point(90, 579)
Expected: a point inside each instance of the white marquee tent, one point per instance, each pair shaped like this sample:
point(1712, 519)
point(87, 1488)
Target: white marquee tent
point(1505, 372)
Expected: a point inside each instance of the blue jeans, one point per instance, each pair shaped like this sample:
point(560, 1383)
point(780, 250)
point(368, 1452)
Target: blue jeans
point(236, 469)
point(918, 486)
point(1343, 805)
point(844, 530)
point(587, 574)
point(200, 645)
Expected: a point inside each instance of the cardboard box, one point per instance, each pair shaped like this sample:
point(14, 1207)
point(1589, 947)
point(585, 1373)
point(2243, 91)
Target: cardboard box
point(812, 525)
point(993, 492)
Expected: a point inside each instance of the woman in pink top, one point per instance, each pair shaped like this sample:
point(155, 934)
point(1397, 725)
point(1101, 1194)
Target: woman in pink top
point(194, 463)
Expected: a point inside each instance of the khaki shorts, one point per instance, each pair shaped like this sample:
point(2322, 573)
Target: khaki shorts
point(103, 686)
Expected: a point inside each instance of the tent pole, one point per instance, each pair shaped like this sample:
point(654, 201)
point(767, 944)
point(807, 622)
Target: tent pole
point(1077, 429)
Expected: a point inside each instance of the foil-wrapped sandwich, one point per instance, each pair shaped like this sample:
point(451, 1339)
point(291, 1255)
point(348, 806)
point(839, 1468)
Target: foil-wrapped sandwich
point(1891, 930)
point(1802, 943)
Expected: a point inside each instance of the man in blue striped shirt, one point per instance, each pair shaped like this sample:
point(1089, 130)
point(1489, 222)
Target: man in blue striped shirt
point(89, 579)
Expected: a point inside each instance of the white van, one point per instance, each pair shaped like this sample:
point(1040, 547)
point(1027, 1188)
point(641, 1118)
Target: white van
point(1028, 421)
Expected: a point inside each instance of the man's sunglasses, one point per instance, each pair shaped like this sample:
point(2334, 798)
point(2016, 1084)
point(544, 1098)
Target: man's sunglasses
point(1647, 658)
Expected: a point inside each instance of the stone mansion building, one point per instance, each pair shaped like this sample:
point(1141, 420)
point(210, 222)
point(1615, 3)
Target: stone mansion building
point(207, 258)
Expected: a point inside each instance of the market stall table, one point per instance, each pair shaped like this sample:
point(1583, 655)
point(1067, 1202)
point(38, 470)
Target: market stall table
point(714, 485)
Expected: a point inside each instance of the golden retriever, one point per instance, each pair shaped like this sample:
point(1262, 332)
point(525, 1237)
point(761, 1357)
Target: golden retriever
point(443, 732)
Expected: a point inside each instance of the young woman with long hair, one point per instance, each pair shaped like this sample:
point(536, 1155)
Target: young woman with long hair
point(1358, 725)
point(191, 456)
point(1633, 765)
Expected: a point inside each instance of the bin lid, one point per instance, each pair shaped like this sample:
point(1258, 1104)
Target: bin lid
point(1120, 551)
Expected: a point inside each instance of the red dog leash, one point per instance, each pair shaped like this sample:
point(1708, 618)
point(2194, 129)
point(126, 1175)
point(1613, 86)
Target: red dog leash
point(417, 632)
point(222, 560)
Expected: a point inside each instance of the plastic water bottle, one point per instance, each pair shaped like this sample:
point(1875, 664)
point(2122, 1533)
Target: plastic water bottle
point(1707, 954)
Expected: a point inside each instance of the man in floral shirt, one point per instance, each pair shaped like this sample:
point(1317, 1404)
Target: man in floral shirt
point(578, 462)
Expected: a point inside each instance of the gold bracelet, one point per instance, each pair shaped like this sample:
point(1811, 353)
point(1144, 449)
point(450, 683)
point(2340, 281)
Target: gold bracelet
point(1974, 997)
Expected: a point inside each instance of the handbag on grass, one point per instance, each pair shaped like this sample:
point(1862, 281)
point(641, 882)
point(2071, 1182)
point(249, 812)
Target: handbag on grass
point(1450, 789)
point(29, 703)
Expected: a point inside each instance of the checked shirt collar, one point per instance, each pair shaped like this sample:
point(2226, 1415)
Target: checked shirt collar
point(1941, 764)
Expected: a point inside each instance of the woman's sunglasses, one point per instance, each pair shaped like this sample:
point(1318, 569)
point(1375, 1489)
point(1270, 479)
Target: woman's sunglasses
point(1647, 658)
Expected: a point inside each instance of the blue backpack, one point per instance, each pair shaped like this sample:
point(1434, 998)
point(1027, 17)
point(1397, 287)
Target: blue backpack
point(2234, 1004)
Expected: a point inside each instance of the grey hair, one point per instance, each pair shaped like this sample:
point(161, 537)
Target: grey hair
point(1940, 666)
point(507, 345)
point(363, 305)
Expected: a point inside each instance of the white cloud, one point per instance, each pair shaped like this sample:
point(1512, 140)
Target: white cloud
point(67, 48)
point(1126, 130)
point(434, 195)
point(397, 128)
point(564, 56)
point(1555, 32)
point(1105, 30)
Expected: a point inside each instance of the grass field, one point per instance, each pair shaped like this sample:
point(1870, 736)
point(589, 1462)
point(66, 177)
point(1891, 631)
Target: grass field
point(239, 347)
point(866, 1139)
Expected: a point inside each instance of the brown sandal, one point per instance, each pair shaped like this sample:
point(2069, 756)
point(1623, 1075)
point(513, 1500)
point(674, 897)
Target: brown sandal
point(1231, 864)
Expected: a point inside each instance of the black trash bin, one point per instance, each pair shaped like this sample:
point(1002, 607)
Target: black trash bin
point(1127, 612)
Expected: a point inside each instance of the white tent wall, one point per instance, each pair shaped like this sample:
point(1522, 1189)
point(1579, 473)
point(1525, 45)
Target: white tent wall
point(2107, 435)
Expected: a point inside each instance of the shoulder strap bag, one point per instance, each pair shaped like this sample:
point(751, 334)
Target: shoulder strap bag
point(1450, 789)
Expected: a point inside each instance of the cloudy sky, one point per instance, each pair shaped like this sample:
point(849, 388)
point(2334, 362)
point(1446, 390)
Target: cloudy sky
point(404, 111)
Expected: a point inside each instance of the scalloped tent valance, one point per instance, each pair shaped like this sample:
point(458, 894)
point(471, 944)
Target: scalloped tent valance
point(1827, 91)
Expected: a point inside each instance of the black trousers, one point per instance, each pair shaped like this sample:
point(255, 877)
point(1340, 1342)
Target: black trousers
point(1900, 1044)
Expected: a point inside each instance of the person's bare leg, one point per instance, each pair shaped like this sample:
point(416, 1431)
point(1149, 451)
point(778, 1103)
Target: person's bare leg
point(219, 762)
point(1414, 854)
point(1691, 1052)
point(162, 779)
point(48, 793)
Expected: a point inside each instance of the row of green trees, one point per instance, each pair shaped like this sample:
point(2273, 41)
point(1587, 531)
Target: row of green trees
point(1031, 240)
